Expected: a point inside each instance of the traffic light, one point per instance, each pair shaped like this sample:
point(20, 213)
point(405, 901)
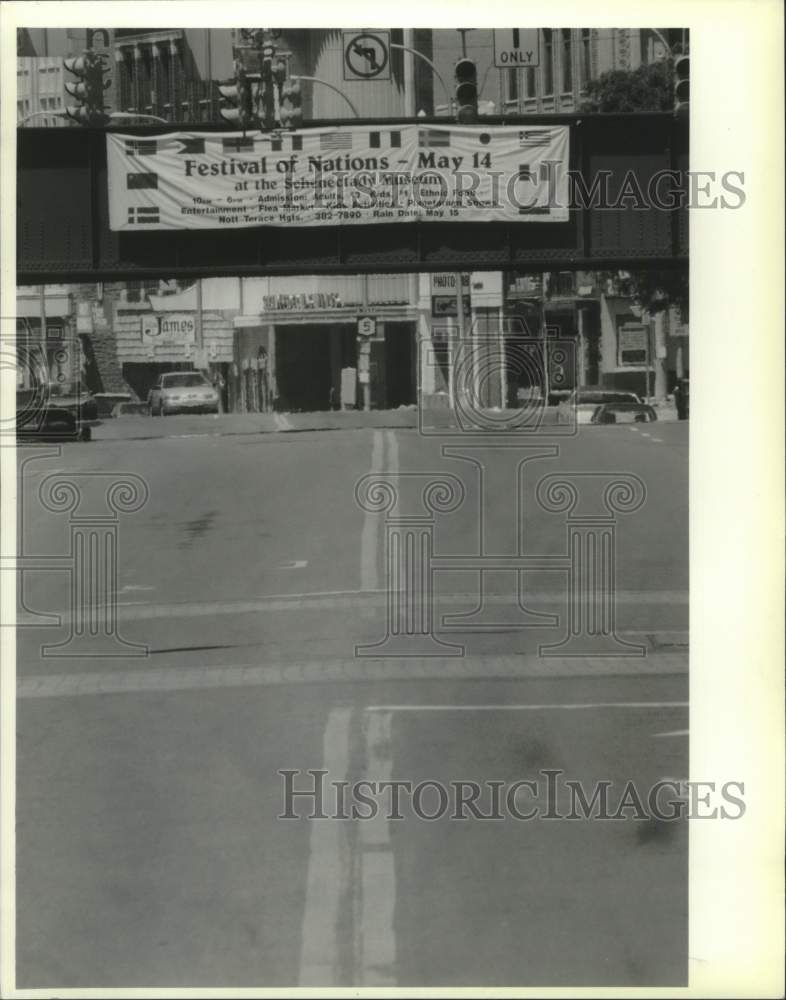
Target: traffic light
point(290, 111)
point(681, 84)
point(240, 112)
point(89, 69)
point(466, 74)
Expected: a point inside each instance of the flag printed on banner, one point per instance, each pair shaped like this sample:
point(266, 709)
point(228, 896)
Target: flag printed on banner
point(532, 138)
point(430, 137)
point(143, 215)
point(137, 182)
point(237, 143)
point(337, 175)
point(376, 140)
point(193, 145)
point(335, 140)
point(292, 142)
point(141, 147)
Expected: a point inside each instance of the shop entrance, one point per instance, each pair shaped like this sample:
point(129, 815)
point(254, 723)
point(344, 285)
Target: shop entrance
point(303, 368)
point(400, 364)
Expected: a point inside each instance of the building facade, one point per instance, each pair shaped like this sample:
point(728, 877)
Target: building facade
point(292, 343)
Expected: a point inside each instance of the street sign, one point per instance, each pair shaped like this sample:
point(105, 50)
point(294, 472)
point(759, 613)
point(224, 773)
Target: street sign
point(366, 55)
point(516, 47)
point(444, 282)
point(367, 326)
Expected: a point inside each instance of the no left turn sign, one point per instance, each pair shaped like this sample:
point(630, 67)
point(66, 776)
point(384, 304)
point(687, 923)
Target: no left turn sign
point(366, 55)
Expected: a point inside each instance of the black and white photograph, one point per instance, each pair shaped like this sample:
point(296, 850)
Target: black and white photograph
point(380, 611)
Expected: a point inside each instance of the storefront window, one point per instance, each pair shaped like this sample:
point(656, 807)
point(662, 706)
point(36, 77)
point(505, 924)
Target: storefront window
point(566, 58)
point(548, 61)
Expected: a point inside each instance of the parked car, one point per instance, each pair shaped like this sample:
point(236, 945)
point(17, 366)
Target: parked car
point(584, 400)
point(623, 413)
point(60, 410)
point(182, 392)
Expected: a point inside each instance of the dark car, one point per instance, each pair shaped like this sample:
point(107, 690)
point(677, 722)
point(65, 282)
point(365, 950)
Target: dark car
point(583, 401)
point(63, 410)
point(624, 413)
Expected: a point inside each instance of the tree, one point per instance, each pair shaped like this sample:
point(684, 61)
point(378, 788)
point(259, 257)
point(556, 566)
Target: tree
point(648, 88)
point(652, 290)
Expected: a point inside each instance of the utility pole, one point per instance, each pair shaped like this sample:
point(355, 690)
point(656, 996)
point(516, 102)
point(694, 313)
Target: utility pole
point(365, 387)
point(410, 109)
point(42, 314)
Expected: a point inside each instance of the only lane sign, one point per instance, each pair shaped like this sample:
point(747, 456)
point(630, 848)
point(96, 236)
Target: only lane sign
point(516, 47)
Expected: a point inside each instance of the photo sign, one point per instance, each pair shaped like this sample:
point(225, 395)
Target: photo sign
point(341, 176)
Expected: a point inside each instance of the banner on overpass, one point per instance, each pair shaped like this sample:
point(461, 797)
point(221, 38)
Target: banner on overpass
point(340, 176)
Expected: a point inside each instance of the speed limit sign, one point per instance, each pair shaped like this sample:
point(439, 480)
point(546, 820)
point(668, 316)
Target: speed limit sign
point(367, 326)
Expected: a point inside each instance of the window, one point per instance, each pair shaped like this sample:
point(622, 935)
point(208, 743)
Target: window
point(513, 84)
point(54, 332)
point(548, 61)
point(584, 57)
point(529, 82)
point(566, 58)
point(186, 380)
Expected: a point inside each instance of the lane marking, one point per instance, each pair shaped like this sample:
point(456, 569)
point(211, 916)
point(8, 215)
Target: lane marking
point(327, 868)
point(372, 524)
point(528, 708)
point(644, 434)
point(282, 422)
point(294, 564)
point(367, 597)
point(375, 941)
point(134, 586)
point(634, 430)
point(675, 732)
point(659, 440)
point(350, 670)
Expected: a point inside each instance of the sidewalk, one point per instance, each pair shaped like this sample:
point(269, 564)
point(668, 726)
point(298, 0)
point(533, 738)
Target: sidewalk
point(138, 427)
point(133, 427)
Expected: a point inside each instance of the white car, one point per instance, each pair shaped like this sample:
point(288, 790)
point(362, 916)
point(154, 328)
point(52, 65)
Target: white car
point(182, 392)
point(586, 399)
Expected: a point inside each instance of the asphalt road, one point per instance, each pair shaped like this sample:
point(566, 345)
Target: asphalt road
point(150, 852)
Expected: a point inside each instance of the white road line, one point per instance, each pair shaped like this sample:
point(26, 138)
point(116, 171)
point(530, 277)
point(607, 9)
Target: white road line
point(659, 440)
point(634, 430)
point(328, 866)
point(527, 708)
point(336, 599)
point(644, 434)
point(376, 885)
point(675, 732)
point(372, 525)
point(282, 423)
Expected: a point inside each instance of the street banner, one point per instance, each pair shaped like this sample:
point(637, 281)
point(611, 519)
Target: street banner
point(351, 175)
